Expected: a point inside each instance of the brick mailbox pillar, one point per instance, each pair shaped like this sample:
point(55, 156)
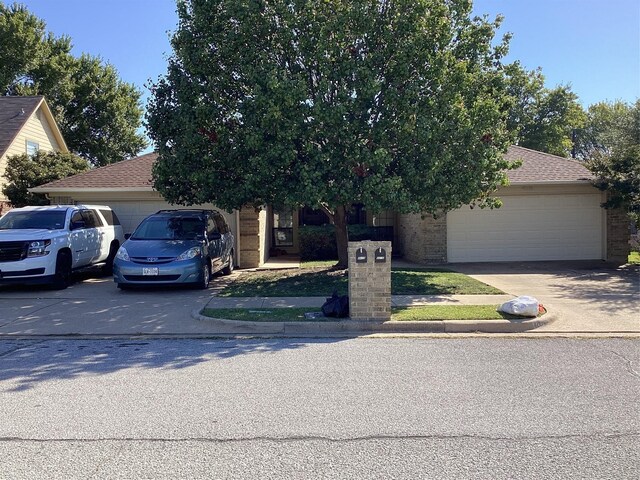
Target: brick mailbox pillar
point(370, 280)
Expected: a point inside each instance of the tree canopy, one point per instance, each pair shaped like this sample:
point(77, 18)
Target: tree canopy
point(98, 114)
point(24, 172)
point(612, 146)
point(543, 119)
point(394, 104)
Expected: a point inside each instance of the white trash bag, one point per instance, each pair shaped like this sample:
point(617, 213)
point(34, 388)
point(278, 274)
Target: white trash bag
point(523, 306)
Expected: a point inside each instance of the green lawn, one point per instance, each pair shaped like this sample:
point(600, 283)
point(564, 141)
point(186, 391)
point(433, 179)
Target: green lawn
point(634, 257)
point(399, 314)
point(322, 281)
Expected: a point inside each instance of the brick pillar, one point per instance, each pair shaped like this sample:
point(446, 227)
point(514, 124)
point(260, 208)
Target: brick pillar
point(618, 236)
point(369, 281)
point(249, 238)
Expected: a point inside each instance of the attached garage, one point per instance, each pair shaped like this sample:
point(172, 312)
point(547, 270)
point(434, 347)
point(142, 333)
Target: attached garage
point(529, 228)
point(126, 187)
point(550, 211)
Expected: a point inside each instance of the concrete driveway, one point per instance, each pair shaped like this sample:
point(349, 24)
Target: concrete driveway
point(588, 296)
point(93, 305)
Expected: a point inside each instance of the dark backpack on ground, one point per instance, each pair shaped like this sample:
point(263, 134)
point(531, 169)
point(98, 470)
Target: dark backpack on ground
point(336, 306)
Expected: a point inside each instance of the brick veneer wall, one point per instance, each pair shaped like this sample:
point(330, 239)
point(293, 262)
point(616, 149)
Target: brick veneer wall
point(369, 283)
point(423, 240)
point(618, 236)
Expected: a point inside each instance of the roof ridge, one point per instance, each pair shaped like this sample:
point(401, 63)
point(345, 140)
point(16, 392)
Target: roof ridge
point(538, 152)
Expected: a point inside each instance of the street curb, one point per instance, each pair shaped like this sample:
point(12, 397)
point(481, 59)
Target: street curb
point(301, 329)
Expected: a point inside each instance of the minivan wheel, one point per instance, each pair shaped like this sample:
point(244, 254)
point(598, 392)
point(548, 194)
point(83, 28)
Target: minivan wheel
point(62, 276)
point(229, 268)
point(206, 276)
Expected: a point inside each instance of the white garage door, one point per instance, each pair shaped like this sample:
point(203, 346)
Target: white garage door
point(528, 227)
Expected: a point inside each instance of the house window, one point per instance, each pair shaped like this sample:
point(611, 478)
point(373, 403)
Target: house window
point(282, 228)
point(32, 147)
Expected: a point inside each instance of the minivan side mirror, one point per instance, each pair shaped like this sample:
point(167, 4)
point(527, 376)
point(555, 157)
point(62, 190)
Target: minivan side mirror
point(127, 236)
point(215, 236)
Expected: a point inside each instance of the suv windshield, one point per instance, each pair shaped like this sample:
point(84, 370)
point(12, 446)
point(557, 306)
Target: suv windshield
point(169, 228)
point(49, 220)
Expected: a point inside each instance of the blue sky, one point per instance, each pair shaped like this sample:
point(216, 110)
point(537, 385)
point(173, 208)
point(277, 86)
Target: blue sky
point(593, 45)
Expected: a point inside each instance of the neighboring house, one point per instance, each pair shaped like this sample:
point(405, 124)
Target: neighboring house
point(26, 126)
point(551, 211)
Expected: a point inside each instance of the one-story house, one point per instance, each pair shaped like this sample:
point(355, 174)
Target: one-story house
point(551, 211)
point(26, 126)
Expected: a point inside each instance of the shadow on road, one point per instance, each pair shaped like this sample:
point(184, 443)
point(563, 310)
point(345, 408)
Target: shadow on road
point(24, 364)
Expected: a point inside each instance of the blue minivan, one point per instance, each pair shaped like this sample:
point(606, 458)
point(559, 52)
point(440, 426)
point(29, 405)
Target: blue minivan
point(175, 247)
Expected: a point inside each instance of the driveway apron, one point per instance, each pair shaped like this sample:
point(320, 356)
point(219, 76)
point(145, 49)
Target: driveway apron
point(588, 296)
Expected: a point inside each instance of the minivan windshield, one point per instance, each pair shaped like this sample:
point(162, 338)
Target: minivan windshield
point(169, 228)
point(48, 220)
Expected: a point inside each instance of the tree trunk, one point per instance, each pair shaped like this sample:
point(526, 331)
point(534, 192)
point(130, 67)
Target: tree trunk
point(342, 236)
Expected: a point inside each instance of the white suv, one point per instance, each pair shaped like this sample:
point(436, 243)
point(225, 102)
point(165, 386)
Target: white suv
point(45, 244)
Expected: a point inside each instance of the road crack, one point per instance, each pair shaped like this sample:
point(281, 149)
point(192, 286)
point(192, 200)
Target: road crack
point(320, 438)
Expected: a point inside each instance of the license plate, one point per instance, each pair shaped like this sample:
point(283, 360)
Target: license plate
point(150, 271)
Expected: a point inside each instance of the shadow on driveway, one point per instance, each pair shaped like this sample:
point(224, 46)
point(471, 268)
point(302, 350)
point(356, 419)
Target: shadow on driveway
point(589, 295)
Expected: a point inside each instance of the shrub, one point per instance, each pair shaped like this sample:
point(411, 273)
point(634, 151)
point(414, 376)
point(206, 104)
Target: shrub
point(319, 243)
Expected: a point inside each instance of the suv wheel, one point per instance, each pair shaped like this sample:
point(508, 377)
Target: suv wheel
point(206, 276)
point(229, 268)
point(62, 276)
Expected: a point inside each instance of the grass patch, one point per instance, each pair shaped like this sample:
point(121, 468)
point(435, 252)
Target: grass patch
point(448, 312)
point(398, 314)
point(288, 283)
point(634, 257)
point(408, 281)
point(323, 281)
point(263, 315)
point(318, 263)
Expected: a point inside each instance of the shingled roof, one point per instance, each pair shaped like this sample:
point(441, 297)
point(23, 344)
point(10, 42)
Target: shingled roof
point(538, 167)
point(14, 113)
point(131, 174)
point(135, 173)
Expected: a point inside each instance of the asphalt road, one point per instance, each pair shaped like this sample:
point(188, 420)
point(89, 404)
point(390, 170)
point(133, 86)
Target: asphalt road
point(361, 408)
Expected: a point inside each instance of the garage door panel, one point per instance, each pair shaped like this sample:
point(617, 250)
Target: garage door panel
point(528, 227)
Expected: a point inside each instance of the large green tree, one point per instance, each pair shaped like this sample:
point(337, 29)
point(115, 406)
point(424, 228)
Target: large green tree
point(543, 119)
point(97, 113)
point(612, 146)
point(394, 104)
point(609, 125)
point(24, 172)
